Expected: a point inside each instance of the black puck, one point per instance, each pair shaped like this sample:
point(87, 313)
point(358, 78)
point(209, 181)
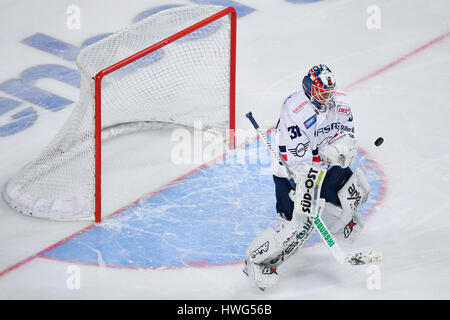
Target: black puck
point(379, 141)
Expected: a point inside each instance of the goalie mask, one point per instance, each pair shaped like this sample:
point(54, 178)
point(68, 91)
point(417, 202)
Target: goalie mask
point(319, 86)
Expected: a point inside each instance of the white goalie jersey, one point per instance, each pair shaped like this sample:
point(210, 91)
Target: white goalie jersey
point(302, 131)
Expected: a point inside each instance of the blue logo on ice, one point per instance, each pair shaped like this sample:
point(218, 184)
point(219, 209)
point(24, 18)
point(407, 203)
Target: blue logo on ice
point(208, 219)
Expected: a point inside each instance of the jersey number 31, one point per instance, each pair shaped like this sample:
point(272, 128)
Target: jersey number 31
point(295, 132)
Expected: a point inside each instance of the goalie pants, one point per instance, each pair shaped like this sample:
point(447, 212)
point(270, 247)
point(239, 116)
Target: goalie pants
point(335, 178)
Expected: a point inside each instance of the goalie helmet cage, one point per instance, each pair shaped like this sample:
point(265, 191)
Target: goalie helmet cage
point(176, 66)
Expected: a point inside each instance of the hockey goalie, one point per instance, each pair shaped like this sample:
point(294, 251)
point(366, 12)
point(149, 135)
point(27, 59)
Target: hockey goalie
point(315, 129)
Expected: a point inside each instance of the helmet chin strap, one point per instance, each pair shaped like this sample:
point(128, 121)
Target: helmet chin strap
point(330, 104)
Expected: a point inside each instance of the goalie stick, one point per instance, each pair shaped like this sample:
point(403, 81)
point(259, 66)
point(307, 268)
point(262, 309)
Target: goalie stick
point(350, 258)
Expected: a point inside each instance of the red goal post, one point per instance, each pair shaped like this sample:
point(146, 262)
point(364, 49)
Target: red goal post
point(175, 67)
point(100, 75)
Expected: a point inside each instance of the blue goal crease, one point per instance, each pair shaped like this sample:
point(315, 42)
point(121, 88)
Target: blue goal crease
point(208, 219)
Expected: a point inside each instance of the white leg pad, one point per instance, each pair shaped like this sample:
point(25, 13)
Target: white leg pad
point(277, 243)
point(334, 217)
point(273, 246)
point(355, 192)
point(344, 225)
point(261, 276)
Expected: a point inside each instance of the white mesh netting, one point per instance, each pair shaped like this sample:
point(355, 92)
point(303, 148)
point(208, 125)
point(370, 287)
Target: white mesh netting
point(185, 81)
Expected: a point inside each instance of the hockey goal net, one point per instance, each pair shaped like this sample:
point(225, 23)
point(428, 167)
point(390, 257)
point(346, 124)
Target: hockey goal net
point(176, 66)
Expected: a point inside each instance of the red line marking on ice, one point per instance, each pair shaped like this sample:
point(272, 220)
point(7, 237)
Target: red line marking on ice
point(369, 76)
point(196, 264)
point(199, 263)
point(41, 253)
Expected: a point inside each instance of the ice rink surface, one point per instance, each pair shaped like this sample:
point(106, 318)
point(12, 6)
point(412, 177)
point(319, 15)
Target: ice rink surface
point(187, 240)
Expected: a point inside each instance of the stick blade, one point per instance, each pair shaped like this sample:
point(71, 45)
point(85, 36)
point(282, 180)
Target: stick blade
point(363, 257)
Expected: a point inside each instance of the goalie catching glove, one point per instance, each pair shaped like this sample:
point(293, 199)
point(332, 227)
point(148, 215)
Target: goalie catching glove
point(340, 152)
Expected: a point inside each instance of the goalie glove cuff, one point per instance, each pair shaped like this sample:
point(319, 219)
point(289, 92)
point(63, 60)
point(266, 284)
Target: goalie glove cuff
point(341, 152)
